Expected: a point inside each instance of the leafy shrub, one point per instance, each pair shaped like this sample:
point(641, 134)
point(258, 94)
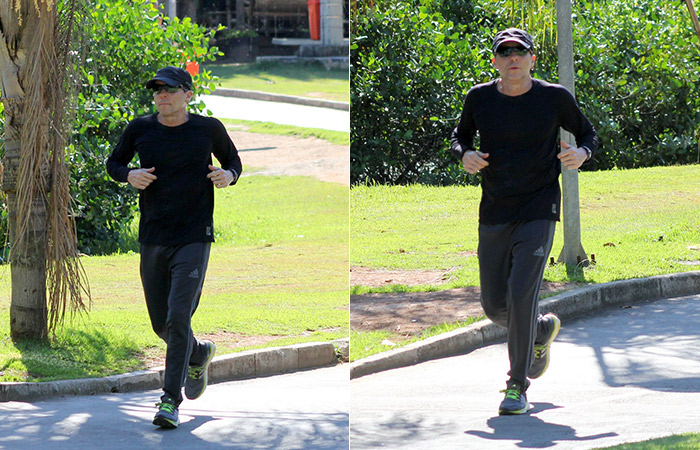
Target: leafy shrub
point(410, 62)
point(637, 65)
point(409, 67)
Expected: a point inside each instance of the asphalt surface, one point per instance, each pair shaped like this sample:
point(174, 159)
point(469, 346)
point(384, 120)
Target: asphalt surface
point(277, 112)
point(625, 374)
point(304, 410)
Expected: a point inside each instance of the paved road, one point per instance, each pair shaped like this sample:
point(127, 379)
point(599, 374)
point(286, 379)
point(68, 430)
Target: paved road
point(304, 410)
point(282, 113)
point(621, 376)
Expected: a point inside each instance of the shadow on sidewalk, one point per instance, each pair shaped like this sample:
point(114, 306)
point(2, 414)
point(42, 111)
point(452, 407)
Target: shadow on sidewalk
point(652, 345)
point(529, 431)
point(123, 421)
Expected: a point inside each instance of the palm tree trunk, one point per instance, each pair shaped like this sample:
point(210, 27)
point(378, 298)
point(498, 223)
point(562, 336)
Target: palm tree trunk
point(28, 310)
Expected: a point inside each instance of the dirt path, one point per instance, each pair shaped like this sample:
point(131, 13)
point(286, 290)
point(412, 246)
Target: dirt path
point(287, 155)
point(407, 314)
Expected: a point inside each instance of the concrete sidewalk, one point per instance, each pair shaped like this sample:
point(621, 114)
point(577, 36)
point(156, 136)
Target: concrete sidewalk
point(566, 305)
point(234, 366)
point(280, 98)
point(627, 373)
point(277, 112)
point(303, 410)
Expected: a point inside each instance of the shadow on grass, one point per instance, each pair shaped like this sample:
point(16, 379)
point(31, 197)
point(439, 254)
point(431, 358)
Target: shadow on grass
point(75, 354)
point(575, 273)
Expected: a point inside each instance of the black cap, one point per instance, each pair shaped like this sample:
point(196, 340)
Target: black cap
point(172, 76)
point(512, 35)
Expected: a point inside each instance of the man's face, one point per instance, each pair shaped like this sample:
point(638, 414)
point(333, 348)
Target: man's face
point(513, 67)
point(171, 103)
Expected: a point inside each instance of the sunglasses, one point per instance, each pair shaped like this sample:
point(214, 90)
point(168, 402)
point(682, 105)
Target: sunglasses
point(166, 88)
point(507, 51)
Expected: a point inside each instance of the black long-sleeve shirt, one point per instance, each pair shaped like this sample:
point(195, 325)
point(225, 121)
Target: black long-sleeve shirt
point(521, 136)
point(178, 207)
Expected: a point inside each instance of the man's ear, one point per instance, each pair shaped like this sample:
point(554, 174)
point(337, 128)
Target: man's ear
point(534, 58)
point(493, 60)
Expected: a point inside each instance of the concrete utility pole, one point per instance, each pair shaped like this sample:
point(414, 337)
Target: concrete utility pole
point(573, 252)
point(172, 9)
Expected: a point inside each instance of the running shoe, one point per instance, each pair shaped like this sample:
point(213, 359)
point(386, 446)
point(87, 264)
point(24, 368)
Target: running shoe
point(167, 415)
point(541, 362)
point(197, 376)
point(515, 402)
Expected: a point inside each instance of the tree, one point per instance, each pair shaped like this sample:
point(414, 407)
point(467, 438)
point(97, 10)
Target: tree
point(34, 65)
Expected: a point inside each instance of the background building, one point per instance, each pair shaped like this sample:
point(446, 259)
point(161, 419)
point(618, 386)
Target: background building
point(271, 27)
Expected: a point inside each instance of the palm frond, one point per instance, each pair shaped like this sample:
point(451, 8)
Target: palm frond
point(43, 202)
point(538, 17)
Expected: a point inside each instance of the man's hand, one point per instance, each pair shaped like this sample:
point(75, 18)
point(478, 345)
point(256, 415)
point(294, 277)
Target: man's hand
point(220, 177)
point(474, 161)
point(141, 178)
point(572, 157)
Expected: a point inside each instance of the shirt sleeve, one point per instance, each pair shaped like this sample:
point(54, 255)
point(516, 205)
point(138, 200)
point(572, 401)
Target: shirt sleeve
point(573, 121)
point(226, 152)
point(462, 139)
point(122, 154)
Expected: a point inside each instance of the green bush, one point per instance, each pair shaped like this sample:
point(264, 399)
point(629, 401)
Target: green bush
point(409, 68)
point(413, 61)
point(637, 63)
point(128, 41)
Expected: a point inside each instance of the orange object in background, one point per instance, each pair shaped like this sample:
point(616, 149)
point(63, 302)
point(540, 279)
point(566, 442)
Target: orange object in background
point(192, 67)
point(315, 19)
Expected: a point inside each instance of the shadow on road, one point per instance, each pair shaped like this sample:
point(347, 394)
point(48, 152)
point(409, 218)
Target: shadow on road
point(653, 345)
point(399, 429)
point(123, 421)
point(526, 431)
point(519, 429)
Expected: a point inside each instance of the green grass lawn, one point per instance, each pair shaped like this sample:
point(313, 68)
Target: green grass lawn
point(301, 80)
point(638, 223)
point(277, 275)
point(689, 441)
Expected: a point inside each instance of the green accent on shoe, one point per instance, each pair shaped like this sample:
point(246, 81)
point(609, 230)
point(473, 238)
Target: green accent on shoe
point(197, 376)
point(515, 401)
point(167, 415)
point(541, 362)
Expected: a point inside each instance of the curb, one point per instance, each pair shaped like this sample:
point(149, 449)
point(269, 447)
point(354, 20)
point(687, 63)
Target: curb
point(234, 366)
point(566, 305)
point(264, 96)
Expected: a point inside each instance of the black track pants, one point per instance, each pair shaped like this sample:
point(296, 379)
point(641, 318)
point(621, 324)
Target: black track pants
point(512, 258)
point(172, 278)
